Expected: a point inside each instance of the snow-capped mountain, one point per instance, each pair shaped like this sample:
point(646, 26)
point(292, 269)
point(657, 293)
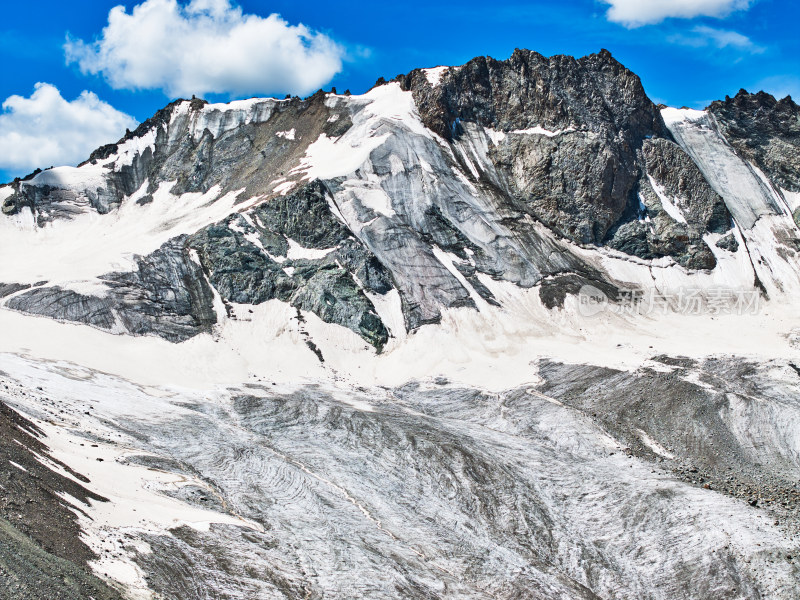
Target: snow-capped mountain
point(410, 199)
point(501, 330)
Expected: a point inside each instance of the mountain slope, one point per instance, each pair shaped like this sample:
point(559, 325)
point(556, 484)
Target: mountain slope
point(500, 330)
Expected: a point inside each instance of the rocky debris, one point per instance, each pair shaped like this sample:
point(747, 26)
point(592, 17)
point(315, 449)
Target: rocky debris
point(774, 494)
point(42, 556)
point(765, 131)
point(451, 492)
point(682, 420)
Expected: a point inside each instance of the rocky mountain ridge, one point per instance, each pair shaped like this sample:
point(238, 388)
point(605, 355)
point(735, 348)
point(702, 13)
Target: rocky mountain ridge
point(422, 188)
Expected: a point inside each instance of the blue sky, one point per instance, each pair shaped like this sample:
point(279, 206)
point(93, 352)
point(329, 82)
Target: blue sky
point(687, 52)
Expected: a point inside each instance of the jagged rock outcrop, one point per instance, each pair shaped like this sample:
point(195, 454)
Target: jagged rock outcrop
point(695, 209)
point(765, 131)
point(578, 181)
point(247, 261)
point(167, 295)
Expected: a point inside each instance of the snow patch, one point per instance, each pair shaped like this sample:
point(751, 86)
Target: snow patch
point(670, 207)
point(284, 188)
point(296, 251)
point(676, 115)
point(538, 130)
point(792, 199)
point(90, 244)
point(377, 200)
point(328, 158)
point(134, 147)
point(87, 177)
point(434, 75)
point(654, 445)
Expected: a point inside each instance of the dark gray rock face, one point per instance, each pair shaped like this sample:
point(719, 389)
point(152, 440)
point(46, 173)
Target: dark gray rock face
point(728, 243)
point(329, 287)
point(67, 305)
point(303, 216)
point(584, 182)
point(765, 131)
point(167, 295)
point(680, 178)
point(578, 183)
point(6, 289)
point(654, 233)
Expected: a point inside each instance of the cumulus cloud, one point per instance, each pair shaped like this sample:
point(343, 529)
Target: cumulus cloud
point(45, 129)
point(635, 13)
point(709, 37)
point(206, 46)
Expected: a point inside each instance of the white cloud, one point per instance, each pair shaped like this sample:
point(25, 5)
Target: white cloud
point(635, 13)
point(704, 37)
point(206, 46)
point(46, 129)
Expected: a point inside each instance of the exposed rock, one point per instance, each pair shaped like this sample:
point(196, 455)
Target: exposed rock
point(303, 216)
point(328, 286)
point(728, 243)
point(6, 289)
point(67, 305)
point(554, 290)
point(166, 295)
point(765, 131)
point(580, 182)
point(653, 232)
